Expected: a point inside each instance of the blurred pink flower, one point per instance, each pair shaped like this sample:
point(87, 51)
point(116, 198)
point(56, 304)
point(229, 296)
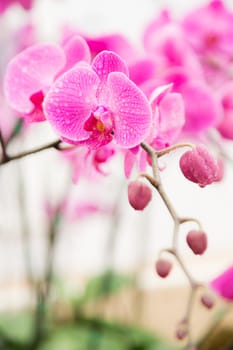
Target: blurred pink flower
point(92, 105)
point(209, 29)
point(165, 39)
point(4, 4)
point(225, 127)
point(223, 284)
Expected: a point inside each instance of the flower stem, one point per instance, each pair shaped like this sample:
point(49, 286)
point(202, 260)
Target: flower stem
point(7, 158)
point(156, 182)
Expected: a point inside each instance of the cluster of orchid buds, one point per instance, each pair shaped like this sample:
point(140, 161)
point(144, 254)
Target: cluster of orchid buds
point(103, 97)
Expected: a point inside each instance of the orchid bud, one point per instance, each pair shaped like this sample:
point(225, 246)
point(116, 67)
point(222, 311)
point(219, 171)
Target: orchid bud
point(163, 267)
point(207, 300)
point(181, 333)
point(197, 241)
point(199, 166)
point(139, 194)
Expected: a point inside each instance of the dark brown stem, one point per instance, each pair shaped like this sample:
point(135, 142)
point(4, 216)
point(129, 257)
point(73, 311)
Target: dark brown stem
point(3, 146)
point(7, 158)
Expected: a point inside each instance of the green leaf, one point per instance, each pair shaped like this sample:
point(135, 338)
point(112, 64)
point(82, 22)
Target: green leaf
point(105, 285)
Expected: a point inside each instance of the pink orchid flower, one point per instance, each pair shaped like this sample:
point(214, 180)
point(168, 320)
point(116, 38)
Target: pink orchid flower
point(92, 105)
point(30, 74)
point(223, 284)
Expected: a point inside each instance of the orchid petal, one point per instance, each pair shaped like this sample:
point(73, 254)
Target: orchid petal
point(141, 70)
point(202, 110)
point(129, 162)
point(112, 42)
point(158, 94)
point(76, 49)
point(31, 71)
point(172, 117)
point(223, 284)
point(131, 109)
point(70, 101)
point(106, 62)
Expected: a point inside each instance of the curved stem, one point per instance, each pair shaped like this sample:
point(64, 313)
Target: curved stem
point(156, 182)
point(173, 148)
point(7, 158)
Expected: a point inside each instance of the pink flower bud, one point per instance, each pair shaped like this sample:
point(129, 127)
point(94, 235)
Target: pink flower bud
point(197, 241)
point(207, 300)
point(181, 333)
point(139, 194)
point(199, 166)
point(163, 267)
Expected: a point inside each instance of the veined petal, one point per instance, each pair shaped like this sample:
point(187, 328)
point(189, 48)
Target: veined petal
point(106, 62)
point(31, 71)
point(103, 64)
point(132, 113)
point(70, 101)
point(76, 49)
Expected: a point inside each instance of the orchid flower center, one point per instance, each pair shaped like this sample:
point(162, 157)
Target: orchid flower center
point(37, 99)
point(101, 120)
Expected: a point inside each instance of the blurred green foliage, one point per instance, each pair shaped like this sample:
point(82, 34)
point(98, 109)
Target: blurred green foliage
point(81, 332)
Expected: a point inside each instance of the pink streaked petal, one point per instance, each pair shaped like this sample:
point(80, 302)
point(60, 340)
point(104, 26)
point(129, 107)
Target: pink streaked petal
point(106, 62)
point(131, 109)
point(76, 49)
point(103, 64)
point(172, 116)
point(129, 161)
point(142, 161)
point(158, 93)
point(30, 71)
point(70, 101)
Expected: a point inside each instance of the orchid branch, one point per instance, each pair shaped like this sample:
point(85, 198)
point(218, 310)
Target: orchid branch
point(156, 182)
point(7, 158)
point(3, 146)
